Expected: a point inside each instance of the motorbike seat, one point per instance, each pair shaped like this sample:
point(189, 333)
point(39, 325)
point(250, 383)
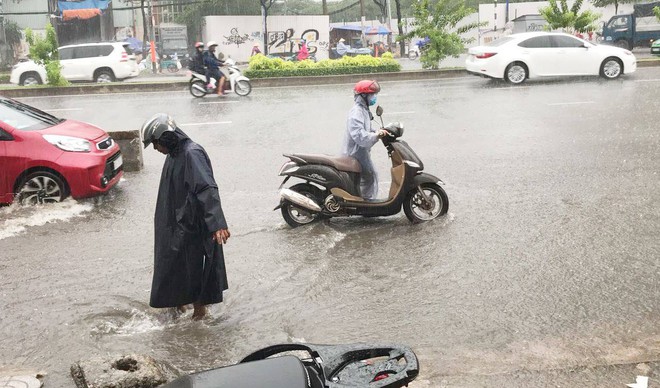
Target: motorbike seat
point(341, 163)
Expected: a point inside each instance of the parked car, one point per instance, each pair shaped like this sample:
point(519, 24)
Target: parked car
point(655, 48)
point(98, 62)
point(518, 57)
point(44, 158)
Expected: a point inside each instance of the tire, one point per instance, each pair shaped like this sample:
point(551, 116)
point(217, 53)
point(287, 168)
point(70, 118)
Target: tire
point(516, 73)
point(622, 44)
point(41, 187)
point(104, 76)
point(611, 68)
point(172, 68)
point(243, 87)
point(194, 88)
point(412, 55)
point(414, 208)
point(30, 78)
point(294, 215)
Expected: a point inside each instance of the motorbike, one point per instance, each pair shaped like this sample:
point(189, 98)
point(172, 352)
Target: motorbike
point(236, 82)
point(313, 366)
point(331, 186)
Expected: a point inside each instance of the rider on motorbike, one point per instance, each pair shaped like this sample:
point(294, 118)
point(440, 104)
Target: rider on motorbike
point(360, 136)
point(213, 67)
point(197, 62)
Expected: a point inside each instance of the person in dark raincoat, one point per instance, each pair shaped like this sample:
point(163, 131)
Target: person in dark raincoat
point(190, 227)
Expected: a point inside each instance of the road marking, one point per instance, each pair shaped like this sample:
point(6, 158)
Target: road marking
point(400, 113)
point(62, 110)
point(648, 80)
point(572, 103)
point(209, 123)
point(217, 102)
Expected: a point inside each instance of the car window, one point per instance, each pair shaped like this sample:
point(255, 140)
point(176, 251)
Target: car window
point(566, 41)
point(4, 136)
point(536, 42)
point(86, 52)
point(105, 50)
point(128, 49)
point(500, 41)
point(24, 117)
point(66, 53)
point(619, 22)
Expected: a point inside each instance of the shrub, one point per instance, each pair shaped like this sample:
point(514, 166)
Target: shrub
point(264, 67)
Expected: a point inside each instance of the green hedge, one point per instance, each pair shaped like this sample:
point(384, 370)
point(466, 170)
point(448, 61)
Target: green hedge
point(264, 67)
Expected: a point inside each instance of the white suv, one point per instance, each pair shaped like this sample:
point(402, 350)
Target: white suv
point(98, 62)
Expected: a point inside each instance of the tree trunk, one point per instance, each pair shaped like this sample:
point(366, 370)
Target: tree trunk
point(399, 23)
point(616, 7)
point(325, 7)
point(144, 28)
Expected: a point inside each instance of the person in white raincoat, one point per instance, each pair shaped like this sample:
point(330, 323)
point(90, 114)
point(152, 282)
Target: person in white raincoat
point(360, 136)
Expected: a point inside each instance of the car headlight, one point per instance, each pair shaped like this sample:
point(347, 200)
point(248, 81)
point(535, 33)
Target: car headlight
point(68, 143)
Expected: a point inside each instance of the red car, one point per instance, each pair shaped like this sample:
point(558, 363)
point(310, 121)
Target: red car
point(44, 158)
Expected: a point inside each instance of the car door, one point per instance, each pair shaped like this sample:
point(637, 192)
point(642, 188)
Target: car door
point(540, 55)
point(85, 57)
point(573, 56)
point(67, 62)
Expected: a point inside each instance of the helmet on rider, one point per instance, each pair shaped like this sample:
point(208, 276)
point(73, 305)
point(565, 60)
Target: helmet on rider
point(211, 44)
point(366, 87)
point(155, 127)
point(199, 44)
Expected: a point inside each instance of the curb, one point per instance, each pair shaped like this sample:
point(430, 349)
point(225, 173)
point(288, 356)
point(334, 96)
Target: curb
point(160, 86)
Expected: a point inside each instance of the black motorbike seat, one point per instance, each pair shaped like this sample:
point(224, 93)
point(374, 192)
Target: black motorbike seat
point(341, 163)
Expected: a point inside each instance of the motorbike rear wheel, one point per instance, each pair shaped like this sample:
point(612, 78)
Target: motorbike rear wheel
point(198, 88)
point(418, 210)
point(296, 216)
point(243, 87)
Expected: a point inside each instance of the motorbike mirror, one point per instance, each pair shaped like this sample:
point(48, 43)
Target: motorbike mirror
point(379, 111)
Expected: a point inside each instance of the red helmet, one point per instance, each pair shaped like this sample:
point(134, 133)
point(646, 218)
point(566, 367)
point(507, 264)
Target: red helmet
point(366, 87)
point(199, 44)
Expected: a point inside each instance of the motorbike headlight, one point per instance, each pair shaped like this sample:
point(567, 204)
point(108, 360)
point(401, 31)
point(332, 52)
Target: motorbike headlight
point(68, 143)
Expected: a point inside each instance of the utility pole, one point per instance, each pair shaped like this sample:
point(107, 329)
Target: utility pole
point(152, 43)
point(389, 23)
point(362, 20)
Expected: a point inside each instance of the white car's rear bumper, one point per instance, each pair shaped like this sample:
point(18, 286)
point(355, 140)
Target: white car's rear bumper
point(482, 67)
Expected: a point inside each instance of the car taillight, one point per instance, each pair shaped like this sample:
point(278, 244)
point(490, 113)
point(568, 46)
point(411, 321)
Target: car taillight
point(124, 56)
point(485, 55)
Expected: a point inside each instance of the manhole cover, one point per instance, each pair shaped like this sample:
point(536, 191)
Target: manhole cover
point(19, 382)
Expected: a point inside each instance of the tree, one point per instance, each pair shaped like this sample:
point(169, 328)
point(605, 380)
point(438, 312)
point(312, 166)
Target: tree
point(560, 16)
point(656, 10)
point(382, 7)
point(440, 23)
point(13, 36)
point(605, 3)
point(399, 24)
point(43, 51)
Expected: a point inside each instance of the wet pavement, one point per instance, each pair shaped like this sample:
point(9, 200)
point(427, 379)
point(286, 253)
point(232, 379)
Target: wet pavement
point(547, 262)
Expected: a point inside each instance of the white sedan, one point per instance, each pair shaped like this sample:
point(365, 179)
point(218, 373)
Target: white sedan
point(517, 57)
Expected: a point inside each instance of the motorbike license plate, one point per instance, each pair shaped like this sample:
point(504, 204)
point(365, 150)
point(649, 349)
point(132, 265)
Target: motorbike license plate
point(117, 163)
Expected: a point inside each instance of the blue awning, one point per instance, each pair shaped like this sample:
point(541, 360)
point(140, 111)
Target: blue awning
point(84, 4)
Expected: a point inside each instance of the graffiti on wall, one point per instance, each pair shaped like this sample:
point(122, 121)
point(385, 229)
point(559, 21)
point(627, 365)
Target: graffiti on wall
point(236, 38)
point(286, 42)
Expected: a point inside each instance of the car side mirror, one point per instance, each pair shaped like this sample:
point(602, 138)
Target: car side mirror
point(379, 111)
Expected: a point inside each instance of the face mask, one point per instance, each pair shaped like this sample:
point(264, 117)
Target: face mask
point(372, 100)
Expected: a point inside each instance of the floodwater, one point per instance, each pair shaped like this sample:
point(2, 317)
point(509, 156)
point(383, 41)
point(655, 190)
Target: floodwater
point(547, 259)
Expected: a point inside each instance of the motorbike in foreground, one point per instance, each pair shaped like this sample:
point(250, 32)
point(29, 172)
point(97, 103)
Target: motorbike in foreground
point(236, 82)
point(331, 186)
point(313, 366)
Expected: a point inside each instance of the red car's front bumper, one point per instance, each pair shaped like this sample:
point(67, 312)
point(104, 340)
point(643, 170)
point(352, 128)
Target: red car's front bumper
point(93, 174)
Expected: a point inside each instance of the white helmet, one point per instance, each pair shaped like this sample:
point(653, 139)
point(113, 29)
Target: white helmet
point(211, 43)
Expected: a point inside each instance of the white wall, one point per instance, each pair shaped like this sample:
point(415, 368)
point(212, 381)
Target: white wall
point(237, 34)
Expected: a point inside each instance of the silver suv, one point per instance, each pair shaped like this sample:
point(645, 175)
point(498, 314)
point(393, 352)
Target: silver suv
point(98, 62)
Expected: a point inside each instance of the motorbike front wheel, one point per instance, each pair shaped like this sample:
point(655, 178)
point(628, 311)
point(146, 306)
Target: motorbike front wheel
point(198, 88)
point(413, 54)
point(418, 209)
point(243, 87)
point(296, 216)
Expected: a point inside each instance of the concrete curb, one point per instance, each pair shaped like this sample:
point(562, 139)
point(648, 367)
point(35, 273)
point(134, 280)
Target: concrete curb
point(135, 87)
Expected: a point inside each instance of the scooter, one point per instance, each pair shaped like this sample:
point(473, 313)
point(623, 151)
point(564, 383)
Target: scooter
point(313, 366)
point(236, 82)
point(331, 186)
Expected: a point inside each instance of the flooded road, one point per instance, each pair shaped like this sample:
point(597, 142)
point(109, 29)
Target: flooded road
point(547, 259)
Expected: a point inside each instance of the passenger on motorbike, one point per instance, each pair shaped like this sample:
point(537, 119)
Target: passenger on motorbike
point(197, 62)
point(213, 64)
point(360, 136)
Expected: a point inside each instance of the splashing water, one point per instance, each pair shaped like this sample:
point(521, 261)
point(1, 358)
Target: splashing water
point(17, 218)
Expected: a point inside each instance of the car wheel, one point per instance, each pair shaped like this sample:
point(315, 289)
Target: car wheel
point(611, 68)
point(41, 187)
point(29, 79)
point(515, 73)
point(104, 76)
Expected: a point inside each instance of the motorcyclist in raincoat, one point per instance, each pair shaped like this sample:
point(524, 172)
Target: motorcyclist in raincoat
point(360, 136)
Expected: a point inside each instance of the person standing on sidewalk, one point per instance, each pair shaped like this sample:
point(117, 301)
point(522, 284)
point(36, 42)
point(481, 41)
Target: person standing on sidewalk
point(190, 226)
